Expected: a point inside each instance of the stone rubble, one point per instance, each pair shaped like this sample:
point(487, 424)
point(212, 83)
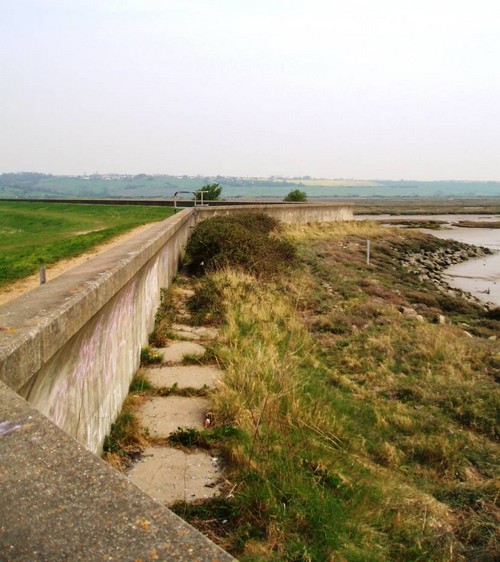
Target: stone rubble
point(430, 265)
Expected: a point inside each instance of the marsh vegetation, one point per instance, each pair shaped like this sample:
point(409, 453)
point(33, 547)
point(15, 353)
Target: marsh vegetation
point(352, 430)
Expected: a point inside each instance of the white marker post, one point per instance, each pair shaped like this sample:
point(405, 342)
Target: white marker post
point(201, 197)
point(368, 244)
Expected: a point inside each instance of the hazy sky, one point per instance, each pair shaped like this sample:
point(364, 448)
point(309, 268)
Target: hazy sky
point(339, 88)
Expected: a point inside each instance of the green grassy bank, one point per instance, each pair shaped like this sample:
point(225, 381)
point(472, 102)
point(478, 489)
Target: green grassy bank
point(36, 233)
point(352, 430)
point(357, 416)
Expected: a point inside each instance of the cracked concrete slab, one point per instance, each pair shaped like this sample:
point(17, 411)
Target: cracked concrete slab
point(188, 376)
point(169, 475)
point(182, 335)
point(164, 414)
point(194, 332)
point(176, 351)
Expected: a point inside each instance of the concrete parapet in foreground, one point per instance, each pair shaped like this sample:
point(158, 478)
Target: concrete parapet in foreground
point(59, 502)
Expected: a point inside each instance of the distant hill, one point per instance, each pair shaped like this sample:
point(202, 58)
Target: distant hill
point(34, 185)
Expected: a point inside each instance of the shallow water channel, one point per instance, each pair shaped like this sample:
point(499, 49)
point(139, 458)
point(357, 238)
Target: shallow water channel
point(479, 276)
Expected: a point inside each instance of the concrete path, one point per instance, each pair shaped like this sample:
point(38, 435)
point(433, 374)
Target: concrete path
point(162, 415)
point(176, 351)
point(168, 474)
point(188, 376)
point(194, 333)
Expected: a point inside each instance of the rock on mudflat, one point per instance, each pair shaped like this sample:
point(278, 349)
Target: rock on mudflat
point(441, 319)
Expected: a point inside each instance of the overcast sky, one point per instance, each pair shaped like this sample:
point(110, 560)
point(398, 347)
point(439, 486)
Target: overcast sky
point(327, 88)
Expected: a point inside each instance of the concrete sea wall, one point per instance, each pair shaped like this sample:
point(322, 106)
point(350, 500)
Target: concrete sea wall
point(70, 347)
point(290, 213)
point(68, 351)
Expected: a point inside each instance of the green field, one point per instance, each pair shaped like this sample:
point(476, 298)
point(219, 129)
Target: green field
point(35, 185)
point(32, 234)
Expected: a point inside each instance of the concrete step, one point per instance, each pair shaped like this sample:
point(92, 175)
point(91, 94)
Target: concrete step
point(195, 333)
point(162, 415)
point(170, 475)
point(188, 376)
point(176, 351)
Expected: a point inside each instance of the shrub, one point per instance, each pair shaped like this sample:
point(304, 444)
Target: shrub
point(213, 191)
point(207, 304)
point(296, 195)
point(238, 241)
point(257, 222)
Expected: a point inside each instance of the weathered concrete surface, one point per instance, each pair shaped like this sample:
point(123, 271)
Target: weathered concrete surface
point(188, 376)
point(194, 333)
point(163, 415)
point(169, 475)
point(60, 502)
point(291, 213)
point(72, 346)
point(176, 351)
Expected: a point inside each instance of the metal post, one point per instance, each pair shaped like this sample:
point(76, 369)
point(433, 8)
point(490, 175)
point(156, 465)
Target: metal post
point(368, 244)
point(43, 278)
point(175, 199)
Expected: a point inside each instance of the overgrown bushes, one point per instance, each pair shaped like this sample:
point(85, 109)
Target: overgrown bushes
point(248, 241)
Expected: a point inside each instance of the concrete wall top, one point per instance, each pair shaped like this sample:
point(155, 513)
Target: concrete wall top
point(60, 502)
point(35, 325)
point(263, 207)
point(292, 213)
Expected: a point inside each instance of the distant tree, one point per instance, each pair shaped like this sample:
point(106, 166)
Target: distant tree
point(213, 192)
point(296, 195)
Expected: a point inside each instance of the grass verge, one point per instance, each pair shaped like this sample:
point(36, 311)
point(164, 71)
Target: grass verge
point(44, 233)
point(127, 439)
point(359, 433)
